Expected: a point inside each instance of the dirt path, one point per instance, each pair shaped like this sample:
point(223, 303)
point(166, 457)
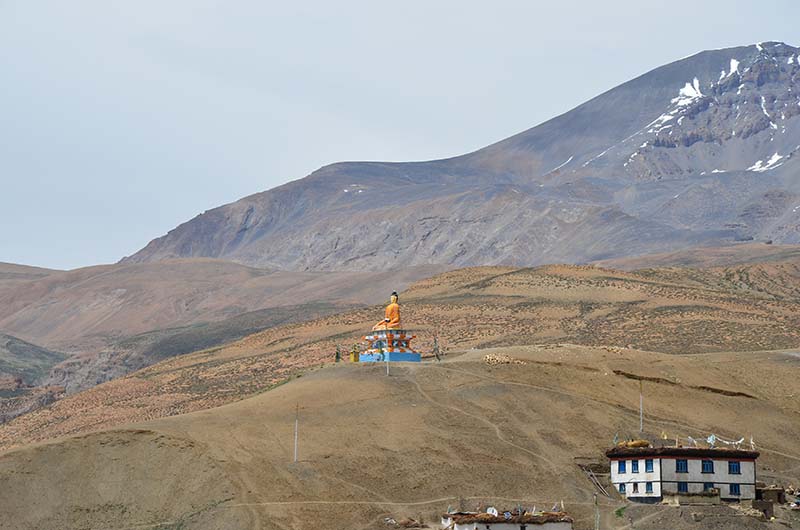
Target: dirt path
point(403, 503)
point(644, 519)
point(488, 422)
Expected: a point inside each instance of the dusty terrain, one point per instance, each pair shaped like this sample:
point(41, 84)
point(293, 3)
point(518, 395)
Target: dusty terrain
point(10, 272)
point(85, 309)
point(409, 444)
point(115, 319)
point(676, 311)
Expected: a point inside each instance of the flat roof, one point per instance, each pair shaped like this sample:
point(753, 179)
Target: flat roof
point(680, 452)
point(528, 518)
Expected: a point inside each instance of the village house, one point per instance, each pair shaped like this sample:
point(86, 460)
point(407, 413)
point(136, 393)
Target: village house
point(648, 474)
point(492, 520)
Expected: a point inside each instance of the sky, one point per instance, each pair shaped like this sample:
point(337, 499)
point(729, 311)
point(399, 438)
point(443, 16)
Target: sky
point(120, 120)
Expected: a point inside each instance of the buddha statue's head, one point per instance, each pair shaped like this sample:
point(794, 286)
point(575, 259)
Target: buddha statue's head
point(393, 299)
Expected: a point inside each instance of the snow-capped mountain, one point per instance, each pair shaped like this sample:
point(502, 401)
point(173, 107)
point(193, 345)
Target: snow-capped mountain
point(700, 151)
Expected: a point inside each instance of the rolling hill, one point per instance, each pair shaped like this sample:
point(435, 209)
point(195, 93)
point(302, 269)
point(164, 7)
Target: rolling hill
point(667, 311)
point(702, 151)
point(114, 319)
point(410, 444)
point(13, 272)
point(84, 309)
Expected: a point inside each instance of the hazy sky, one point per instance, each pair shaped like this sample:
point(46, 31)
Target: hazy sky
point(120, 120)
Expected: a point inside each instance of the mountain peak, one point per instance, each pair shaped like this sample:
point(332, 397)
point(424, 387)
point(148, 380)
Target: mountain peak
point(699, 151)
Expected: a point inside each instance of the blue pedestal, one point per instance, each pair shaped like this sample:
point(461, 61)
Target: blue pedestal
point(392, 357)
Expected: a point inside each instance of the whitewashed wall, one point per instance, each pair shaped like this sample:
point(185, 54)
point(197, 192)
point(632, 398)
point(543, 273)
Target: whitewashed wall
point(641, 478)
point(721, 478)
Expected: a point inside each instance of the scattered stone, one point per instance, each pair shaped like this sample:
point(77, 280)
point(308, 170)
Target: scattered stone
point(494, 359)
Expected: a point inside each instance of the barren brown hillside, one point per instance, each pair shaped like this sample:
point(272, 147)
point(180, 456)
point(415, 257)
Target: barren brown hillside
point(676, 311)
point(83, 309)
point(412, 443)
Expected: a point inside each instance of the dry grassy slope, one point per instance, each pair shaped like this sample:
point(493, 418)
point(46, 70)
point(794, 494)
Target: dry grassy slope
point(670, 310)
point(12, 275)
point(13, 271)
point(409, 444)
point(81, 310)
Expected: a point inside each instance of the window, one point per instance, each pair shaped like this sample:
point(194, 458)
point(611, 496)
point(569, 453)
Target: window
point(648, 487)
point(648, 465)
point(708, 486)
point(622, 488)
point(683, 487)
point(634, 466)
point(708, 466)
point(734, 468)
point(621, 466)
point(734, 490)
point(635, 487)
point(681, 466)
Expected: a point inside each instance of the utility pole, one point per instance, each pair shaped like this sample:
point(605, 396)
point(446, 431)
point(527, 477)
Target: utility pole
point(596, 514)
point(641, 407)
point(296, 424)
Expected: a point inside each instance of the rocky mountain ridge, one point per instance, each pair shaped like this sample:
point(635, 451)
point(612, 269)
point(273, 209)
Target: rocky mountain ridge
point(701, 151)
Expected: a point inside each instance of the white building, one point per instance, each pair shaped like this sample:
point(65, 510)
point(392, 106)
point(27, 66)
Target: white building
point(506, 521)
point(646, 474)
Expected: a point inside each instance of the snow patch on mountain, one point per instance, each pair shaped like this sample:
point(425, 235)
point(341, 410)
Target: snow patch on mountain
point(772, 163)
point(688, 94)
point(560, 166)
point(734, 70)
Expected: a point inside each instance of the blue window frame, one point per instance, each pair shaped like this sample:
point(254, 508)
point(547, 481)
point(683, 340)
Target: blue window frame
point(648, 465)
point(681, 466)
point(634, 466)
point(734, 468)
point(621, 466)
point(622, 487)
point(648, 487)
point(683, 487)
point(707, 486)
point(734, 489)
point(708, 466)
